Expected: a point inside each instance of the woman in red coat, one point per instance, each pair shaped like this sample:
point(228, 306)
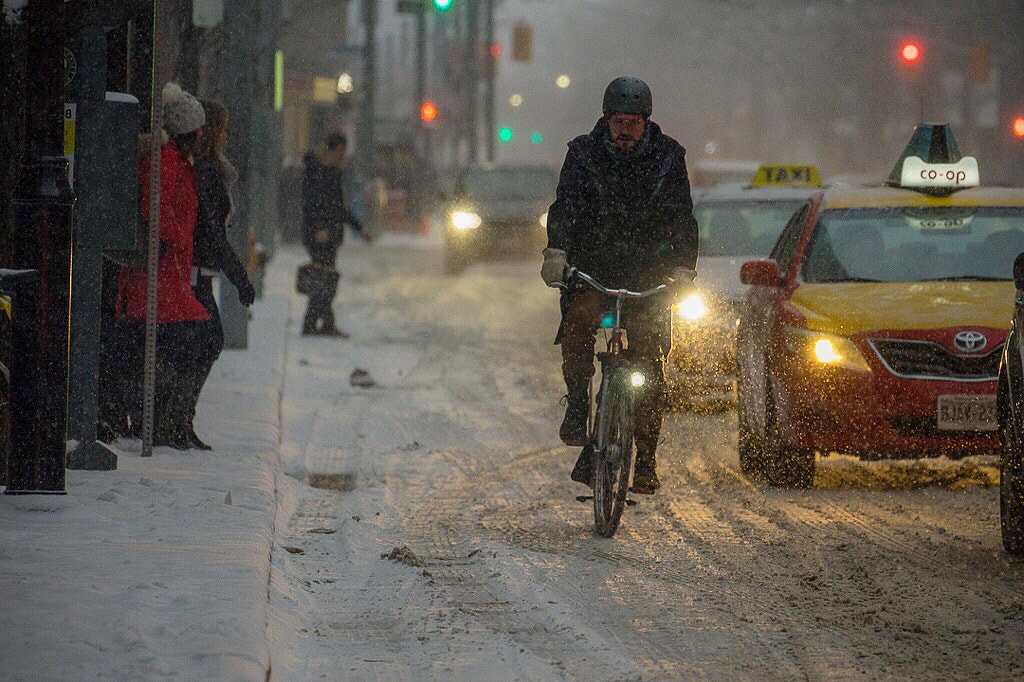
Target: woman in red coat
point(184, 328)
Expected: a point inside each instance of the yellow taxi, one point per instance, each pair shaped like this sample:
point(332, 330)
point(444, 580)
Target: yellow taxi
point(737, 222)
point(875, 326)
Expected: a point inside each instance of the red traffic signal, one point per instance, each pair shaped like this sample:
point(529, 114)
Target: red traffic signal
point(1018, 127)
point(910, 52)
point(428, 112)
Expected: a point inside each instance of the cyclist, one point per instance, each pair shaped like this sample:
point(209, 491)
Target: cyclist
point(622, 214)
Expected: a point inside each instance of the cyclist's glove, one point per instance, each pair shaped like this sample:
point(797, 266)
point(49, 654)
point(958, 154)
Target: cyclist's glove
point(683, 278)
point(553, 269)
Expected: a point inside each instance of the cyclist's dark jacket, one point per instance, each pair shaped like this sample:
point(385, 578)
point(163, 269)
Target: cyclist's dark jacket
point(626, 218)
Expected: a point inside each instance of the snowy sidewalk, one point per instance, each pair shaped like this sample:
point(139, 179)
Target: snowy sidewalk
point(160, 568)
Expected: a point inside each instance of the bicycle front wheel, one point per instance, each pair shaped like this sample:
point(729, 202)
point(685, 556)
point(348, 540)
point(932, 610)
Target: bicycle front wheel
point(613, 450)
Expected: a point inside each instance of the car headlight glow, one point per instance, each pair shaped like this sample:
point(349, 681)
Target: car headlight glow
point(692, 307)
point(637, 379)
point(543, 220)
point(825, 349)
point(465, 220)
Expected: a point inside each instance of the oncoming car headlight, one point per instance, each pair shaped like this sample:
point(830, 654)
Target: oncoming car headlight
point(825, 349)
point(543, 220)
point(465, 220)
point(692, 307)
point(637, 379)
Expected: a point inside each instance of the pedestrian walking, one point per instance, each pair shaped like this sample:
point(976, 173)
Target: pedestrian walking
point(324, 216)
point(212, 254)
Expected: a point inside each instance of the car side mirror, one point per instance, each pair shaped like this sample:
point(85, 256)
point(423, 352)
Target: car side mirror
point(1018, 271)
point(763, 272)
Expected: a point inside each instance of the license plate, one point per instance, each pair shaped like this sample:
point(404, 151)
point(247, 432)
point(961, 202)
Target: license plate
point(967, 413)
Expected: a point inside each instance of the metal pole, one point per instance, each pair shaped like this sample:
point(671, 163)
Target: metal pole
point(88, 91)
point(368, 114)
point(472, 77)
point(238, 90)
point(492, 64)
point(156, 123)
point(421, 58)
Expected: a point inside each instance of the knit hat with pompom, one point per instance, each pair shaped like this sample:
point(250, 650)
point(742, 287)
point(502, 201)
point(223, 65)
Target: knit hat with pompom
point(182, 112)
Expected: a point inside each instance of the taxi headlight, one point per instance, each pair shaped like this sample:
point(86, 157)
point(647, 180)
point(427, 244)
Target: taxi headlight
point(692, 307)
point(825, 349)
point(543, 220)
point(465, 220)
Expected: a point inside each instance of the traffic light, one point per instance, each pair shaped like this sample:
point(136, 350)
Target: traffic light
point(1018, 127)
point(910, 52)
point(428, 112)
point(442, 6)
point(505, 134)
point(522, 42)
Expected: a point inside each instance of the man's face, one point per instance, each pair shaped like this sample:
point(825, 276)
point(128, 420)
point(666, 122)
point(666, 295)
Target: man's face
point(626, 129)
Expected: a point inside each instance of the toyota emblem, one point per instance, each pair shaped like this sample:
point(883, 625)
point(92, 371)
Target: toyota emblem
point(970, 341)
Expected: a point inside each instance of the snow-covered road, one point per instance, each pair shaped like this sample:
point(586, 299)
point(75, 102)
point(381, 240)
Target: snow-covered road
point(452, 457)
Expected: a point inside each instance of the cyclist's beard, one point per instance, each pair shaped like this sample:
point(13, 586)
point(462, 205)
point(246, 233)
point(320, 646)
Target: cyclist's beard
point(626, 143)
point(634, 150)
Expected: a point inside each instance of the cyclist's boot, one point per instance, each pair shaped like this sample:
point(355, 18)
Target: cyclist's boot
point(577, 408)
point(645, 476)
point(583, 472)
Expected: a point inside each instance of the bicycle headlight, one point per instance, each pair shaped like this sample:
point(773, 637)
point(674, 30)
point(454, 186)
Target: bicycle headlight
point(825, 349)
point(465, 220)
point(692, 307)
point(637, 379)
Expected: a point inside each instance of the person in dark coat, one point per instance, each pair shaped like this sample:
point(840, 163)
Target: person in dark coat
point(622, 214)
point(212, 254)
point(324, 216)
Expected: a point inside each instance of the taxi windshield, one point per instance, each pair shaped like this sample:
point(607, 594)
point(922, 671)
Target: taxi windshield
point(742, 228)
point(903, 244)
point(510, 183)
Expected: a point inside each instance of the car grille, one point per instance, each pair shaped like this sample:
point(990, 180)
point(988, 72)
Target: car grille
point(929, 360)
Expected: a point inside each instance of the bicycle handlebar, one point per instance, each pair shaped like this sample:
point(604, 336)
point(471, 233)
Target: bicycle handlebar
point(573, 272)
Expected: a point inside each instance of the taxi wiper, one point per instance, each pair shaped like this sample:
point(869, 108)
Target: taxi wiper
point(967, 278)
point(837, 280)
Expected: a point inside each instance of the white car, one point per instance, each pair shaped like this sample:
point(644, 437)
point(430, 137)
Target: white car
point(737, 222)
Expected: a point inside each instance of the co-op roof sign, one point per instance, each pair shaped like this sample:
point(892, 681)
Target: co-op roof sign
point(917, 173)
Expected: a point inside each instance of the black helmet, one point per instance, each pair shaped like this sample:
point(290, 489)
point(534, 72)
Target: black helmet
point(627, 95)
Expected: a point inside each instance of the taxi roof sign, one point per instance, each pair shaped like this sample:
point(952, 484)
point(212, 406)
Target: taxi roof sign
point(786, 175)
point(917, 173)
point(932, 143)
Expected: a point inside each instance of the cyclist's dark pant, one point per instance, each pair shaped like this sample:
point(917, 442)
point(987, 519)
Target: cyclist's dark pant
point(647, 342)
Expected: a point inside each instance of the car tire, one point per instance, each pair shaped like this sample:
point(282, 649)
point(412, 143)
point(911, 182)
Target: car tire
point(751, 450)
point(784, 466)
point(1011, 486)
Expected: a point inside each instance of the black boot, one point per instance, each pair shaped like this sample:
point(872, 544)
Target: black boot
point(574, 426)
point(645, 477)
point(583, 472)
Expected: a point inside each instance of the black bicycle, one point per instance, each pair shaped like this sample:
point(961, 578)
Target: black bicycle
point(611, 418)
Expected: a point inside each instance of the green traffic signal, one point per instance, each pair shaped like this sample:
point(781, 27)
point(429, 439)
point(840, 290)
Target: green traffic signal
point(536, 138)
point(505, 134)
point(442, 5)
